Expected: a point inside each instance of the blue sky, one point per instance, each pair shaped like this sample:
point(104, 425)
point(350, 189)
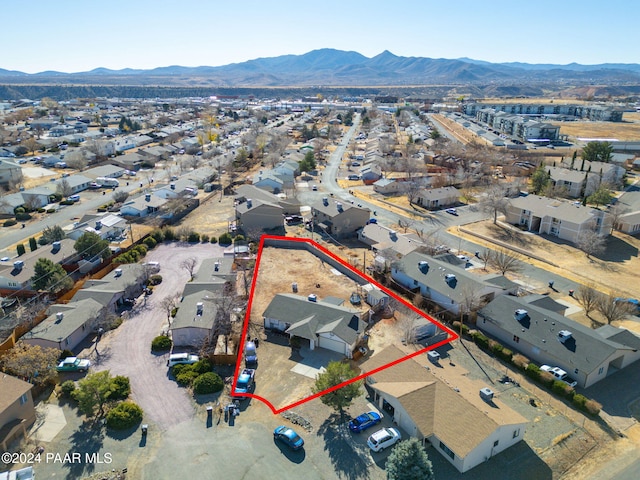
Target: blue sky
point(79, 35)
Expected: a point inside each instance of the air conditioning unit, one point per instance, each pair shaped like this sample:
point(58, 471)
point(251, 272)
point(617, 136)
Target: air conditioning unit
point(564, 335)
point(422, 265)
point(520, 314)
point(486, 394)
point(199, 308)
point(117, 272)
point(59, 316)
point(18, 264)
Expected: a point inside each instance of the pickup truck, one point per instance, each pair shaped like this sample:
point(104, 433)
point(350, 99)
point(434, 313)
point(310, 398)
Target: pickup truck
point(244, 383)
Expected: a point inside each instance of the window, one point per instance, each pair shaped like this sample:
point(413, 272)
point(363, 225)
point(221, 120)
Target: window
point(516, 433)
point(600, 370)
point(415, 282)
point(516, 338)
point(23, 399)
point(495, 444)
point(575, 371)
point(447, 450)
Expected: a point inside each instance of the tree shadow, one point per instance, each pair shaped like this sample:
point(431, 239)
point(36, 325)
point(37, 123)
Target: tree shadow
point(87, 439)
point(346, 463)
point(618, 250)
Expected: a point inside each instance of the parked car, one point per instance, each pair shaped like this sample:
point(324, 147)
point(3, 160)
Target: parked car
point(364, 421)
point(383, 438)
point(181, 358)
point(250, 354)
point(73, 364)
point(289, 437)
point(452, 211)
point(559, 374)
point(244, 382)
point(634, 304)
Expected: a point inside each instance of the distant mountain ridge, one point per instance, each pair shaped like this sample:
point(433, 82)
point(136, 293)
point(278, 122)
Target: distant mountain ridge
point(331, 67)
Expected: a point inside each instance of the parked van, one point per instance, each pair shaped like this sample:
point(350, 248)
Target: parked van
point(74, 198)
point(181, 359)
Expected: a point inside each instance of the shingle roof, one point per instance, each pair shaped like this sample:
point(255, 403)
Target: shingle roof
point(75, 314)
point(187, 315)
point(309, 318)
point(550, 207)
point(11, 389)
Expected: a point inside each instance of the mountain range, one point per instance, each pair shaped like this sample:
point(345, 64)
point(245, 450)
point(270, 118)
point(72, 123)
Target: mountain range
point(330, 67)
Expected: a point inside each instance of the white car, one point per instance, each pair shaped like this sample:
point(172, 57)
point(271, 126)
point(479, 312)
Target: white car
point(383, 438)
point(181, 358)
point(559, 374)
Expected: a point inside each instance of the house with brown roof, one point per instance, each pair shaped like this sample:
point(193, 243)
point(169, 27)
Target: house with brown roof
point(17, 412)
point(452, 416)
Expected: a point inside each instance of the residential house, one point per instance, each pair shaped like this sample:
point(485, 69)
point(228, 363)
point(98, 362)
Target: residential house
point(465, 429)
point(547, 337)
point(131, 161)
point(108, 171)
point(17, 411)
point(323, 324)
point(17, 274)
point(258, 215)
point(67, 325)
point(195, 320)
point(268, 181)
point(10, 172)
point(610, 173)
point(380, 238)
point(75, 183)
point(110, 291)
point(371, 174)
point(10, 202)
point(629, 223)
point(215, 275)
point(107, 226)
point(435, 198)
point(142, 206)
point(183, 187)
point(450, 286)
point(289, 207)
point(558, 218)
point(339, 219)
point(387, 186)
point(155, 154)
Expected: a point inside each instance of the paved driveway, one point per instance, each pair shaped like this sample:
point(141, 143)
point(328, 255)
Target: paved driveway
point(127, 350)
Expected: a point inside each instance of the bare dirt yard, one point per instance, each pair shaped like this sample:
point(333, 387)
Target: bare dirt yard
point(628, 129)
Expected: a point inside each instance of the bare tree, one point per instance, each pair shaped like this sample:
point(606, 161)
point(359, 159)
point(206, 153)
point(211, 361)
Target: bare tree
point(119, 196)
point(168, 304)
point(612, 309)
point(189, 264)
point(495, 202)
point(405, 224)
point(408, 329)
point(587, 296)
point(505, 263)
point(64, 188)
point(591, 242)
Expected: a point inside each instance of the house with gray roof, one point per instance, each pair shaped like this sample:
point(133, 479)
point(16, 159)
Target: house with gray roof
point(142, 206)
point(547, 337)
point(289, 206)
point(320, 323)
point(10, 202)
point(108, 226)
point(9, 172)
point(110, 291)
point(195, 319)
point(559, 218)
point(379, 238)
point(108, 171)
point(450, 286)
point(131, 161)
point(435, 198)
point(450, 415)
point(256, 214)
point(67, 325)
point(76, 183)
point(268, 181)
point(339, 219)
point(183, 187)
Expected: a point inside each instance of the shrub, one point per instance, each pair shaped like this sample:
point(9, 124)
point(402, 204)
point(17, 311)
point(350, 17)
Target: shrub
point(161, 343)
point(51, 210)
point(150, 242)
point(238, 239)
point(225, 239)
point(559, 388)
point(124, 415)
point(209, 382)
point(155, 279)
point(141, 249)
point(592, 407)
point(157, 235)
point(169, 234)
point(579, 401)
point(214, 240)
point(19, 210)
point(520, 361)
point(23, 217)
point(505, 354)
point(33, 245)
point(186, 377)
point(204, 238)
point(120, 388)
point(193, 237)
point(181, 367)
point(68, 202)
point(546, 379)
point(67, 388)
point(480, 340)
point(41, 210)
point(456, 327)
point(533, 371)
point(9, 223)
point(20, 249)
point(101, 209)
point(174, 310)
point(202, 366)
point(115, 323)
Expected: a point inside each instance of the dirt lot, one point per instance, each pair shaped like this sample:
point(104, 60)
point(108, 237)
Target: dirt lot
point(628, 129)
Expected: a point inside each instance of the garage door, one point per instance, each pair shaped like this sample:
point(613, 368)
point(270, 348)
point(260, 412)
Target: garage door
point(331, 344)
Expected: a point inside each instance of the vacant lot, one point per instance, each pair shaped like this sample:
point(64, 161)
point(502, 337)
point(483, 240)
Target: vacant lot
point(628, 129)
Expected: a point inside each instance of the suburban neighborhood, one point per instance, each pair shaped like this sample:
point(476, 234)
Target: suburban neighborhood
point(313, 284)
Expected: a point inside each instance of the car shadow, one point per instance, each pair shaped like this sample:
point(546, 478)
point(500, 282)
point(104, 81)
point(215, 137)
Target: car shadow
point(294, 456)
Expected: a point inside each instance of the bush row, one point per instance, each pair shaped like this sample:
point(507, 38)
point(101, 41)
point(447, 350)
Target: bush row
point(532, 371)
point(198, 376)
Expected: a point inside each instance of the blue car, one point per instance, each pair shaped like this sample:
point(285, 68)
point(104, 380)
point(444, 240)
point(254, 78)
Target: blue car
point(364, 421)
point(289, 437)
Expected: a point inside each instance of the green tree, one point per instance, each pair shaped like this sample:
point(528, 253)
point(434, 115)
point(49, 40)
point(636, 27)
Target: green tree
point(33, 245)
point(93, 393)
point(335, 374)
point(20, 249)
point(91, 244)
point(601, 196)
point(539, 180)
point(308, 163)
point(50, 276)
point(51, 234)
point(409, 461)
point(597, 152)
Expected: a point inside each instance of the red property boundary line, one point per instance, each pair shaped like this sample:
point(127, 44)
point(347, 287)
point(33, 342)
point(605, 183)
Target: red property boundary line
point(310, 245)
